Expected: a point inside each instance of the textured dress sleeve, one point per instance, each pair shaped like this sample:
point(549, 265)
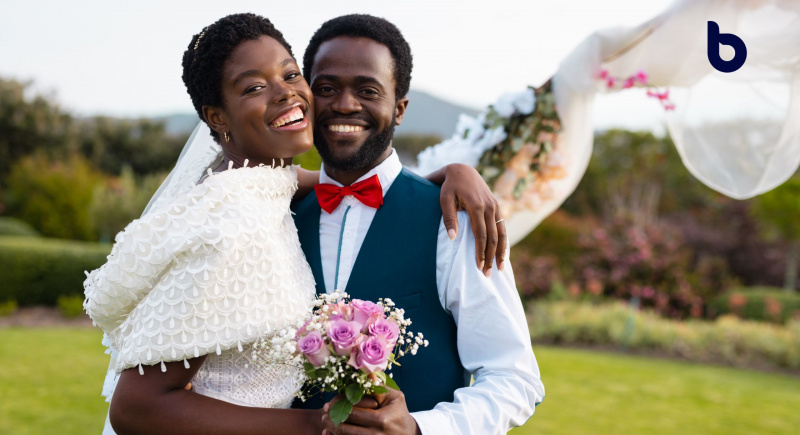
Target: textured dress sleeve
point(204, 274)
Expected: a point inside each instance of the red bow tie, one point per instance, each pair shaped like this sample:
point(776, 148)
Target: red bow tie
point(368, 191)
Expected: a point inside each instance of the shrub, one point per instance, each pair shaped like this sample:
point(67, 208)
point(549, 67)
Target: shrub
point(727, 340)
point(649, 263)
point(309, 160)
point(70, 306)
point(15, 227)
point(38, 271)
point(543, 258)
point(53, 196)
point(535, 276)
point(558, 236)
point(119, 200)
point(758, 303)
point(8, 307)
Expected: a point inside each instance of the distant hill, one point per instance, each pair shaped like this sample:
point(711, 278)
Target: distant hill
point(179, 124)
point(426, 115)
point(430, 115)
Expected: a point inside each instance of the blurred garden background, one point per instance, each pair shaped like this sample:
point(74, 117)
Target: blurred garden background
point(655, 304)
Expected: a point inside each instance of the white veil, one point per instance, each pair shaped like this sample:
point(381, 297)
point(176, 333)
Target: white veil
point(738, 133)
point(199, 153)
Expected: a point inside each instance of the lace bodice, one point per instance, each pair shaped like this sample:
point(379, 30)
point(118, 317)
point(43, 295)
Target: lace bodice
point(207, 274)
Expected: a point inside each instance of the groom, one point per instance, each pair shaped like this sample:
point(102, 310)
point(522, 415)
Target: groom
point(375, 230)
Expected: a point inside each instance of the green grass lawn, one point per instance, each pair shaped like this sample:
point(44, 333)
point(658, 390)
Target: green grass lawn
point(601, 393)
point(50, 383)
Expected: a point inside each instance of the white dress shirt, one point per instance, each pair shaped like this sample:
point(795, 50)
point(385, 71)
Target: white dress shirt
point(492, 332)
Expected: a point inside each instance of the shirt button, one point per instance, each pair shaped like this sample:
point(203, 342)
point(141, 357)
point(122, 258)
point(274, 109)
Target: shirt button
point(348, 234)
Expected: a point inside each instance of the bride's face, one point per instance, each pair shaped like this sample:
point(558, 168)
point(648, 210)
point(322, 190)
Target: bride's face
point(267, 105)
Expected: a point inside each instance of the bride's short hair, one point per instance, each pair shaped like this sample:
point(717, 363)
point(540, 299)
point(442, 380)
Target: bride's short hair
point(204, 59)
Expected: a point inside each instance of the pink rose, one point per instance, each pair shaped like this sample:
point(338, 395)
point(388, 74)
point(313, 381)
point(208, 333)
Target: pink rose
point(343, 311)
point(313, 347)
point(366, 312)
point(386, 329)
point(343, 335)
point(371, 355)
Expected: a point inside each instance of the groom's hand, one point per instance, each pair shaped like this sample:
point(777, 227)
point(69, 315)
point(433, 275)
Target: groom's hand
point(391, 417)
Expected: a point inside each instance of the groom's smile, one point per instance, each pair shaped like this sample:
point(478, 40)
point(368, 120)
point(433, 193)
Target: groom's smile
point(356, 108)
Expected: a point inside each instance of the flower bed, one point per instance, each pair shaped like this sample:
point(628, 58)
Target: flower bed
point(728, 340)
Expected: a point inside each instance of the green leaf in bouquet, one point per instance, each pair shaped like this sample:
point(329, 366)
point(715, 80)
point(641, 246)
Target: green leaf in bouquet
point(379, 390)
point(391, 383)
point(493, 119)
point(490, 172)
point(340, 411)
point(354, 393)
point(310, 369)
point(517, 143)
point(519, 188)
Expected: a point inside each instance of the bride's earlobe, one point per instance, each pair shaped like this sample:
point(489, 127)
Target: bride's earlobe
point(215, 118)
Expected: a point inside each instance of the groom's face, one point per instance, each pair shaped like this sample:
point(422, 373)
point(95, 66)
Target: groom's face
point(355, 104)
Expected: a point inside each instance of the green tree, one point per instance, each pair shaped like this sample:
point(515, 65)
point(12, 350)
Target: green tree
point(636, 176)
point(29, 123)
point(140, 144)
point(779, 210)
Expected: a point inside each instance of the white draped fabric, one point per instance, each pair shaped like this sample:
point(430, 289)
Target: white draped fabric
point(739, 133)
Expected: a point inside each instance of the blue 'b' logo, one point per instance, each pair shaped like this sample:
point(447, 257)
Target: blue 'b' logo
point(715, 39)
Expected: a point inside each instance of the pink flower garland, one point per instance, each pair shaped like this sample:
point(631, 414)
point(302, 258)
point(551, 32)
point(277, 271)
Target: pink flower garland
point(641, 78)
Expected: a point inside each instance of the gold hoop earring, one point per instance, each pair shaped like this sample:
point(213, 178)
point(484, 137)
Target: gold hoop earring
point(227, 137)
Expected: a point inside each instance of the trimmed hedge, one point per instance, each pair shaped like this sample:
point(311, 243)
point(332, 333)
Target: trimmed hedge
point(728, 340)
point(37, 271)
point(758, 303)
point(14, 227)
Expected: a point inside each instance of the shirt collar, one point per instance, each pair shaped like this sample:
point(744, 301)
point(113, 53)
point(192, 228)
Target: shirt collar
point(387, 171)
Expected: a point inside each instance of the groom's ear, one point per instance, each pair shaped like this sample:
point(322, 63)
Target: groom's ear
point(400, 110)
point(216, 119)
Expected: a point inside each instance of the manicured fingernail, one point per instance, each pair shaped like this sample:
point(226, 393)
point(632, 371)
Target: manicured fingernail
point(480, 265)
point(488, 273)
point(452, 233)
point(501, 265)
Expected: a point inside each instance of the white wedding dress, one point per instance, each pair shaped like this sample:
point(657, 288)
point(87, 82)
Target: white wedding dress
point(208, 270)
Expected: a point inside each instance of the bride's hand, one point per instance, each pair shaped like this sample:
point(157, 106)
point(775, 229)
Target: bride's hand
point(463, 188)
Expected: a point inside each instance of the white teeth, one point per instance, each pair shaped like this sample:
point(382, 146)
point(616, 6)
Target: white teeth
point(345, 128)
point(294, 115)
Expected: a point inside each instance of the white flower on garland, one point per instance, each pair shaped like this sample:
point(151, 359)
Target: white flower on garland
point(519, 102)
point(471, 138)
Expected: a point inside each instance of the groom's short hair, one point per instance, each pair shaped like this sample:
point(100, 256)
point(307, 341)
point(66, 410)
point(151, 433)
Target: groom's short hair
point(365, 26)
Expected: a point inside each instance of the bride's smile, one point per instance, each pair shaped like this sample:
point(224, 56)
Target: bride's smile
point(266, 107)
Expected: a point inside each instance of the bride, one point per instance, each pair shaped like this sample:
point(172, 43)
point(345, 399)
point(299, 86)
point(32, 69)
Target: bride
point(215, 263)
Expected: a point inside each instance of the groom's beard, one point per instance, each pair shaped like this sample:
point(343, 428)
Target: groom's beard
point(372, 149)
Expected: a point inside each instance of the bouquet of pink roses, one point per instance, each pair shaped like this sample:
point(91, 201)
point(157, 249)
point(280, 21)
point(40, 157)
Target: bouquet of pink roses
point(344, 347)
